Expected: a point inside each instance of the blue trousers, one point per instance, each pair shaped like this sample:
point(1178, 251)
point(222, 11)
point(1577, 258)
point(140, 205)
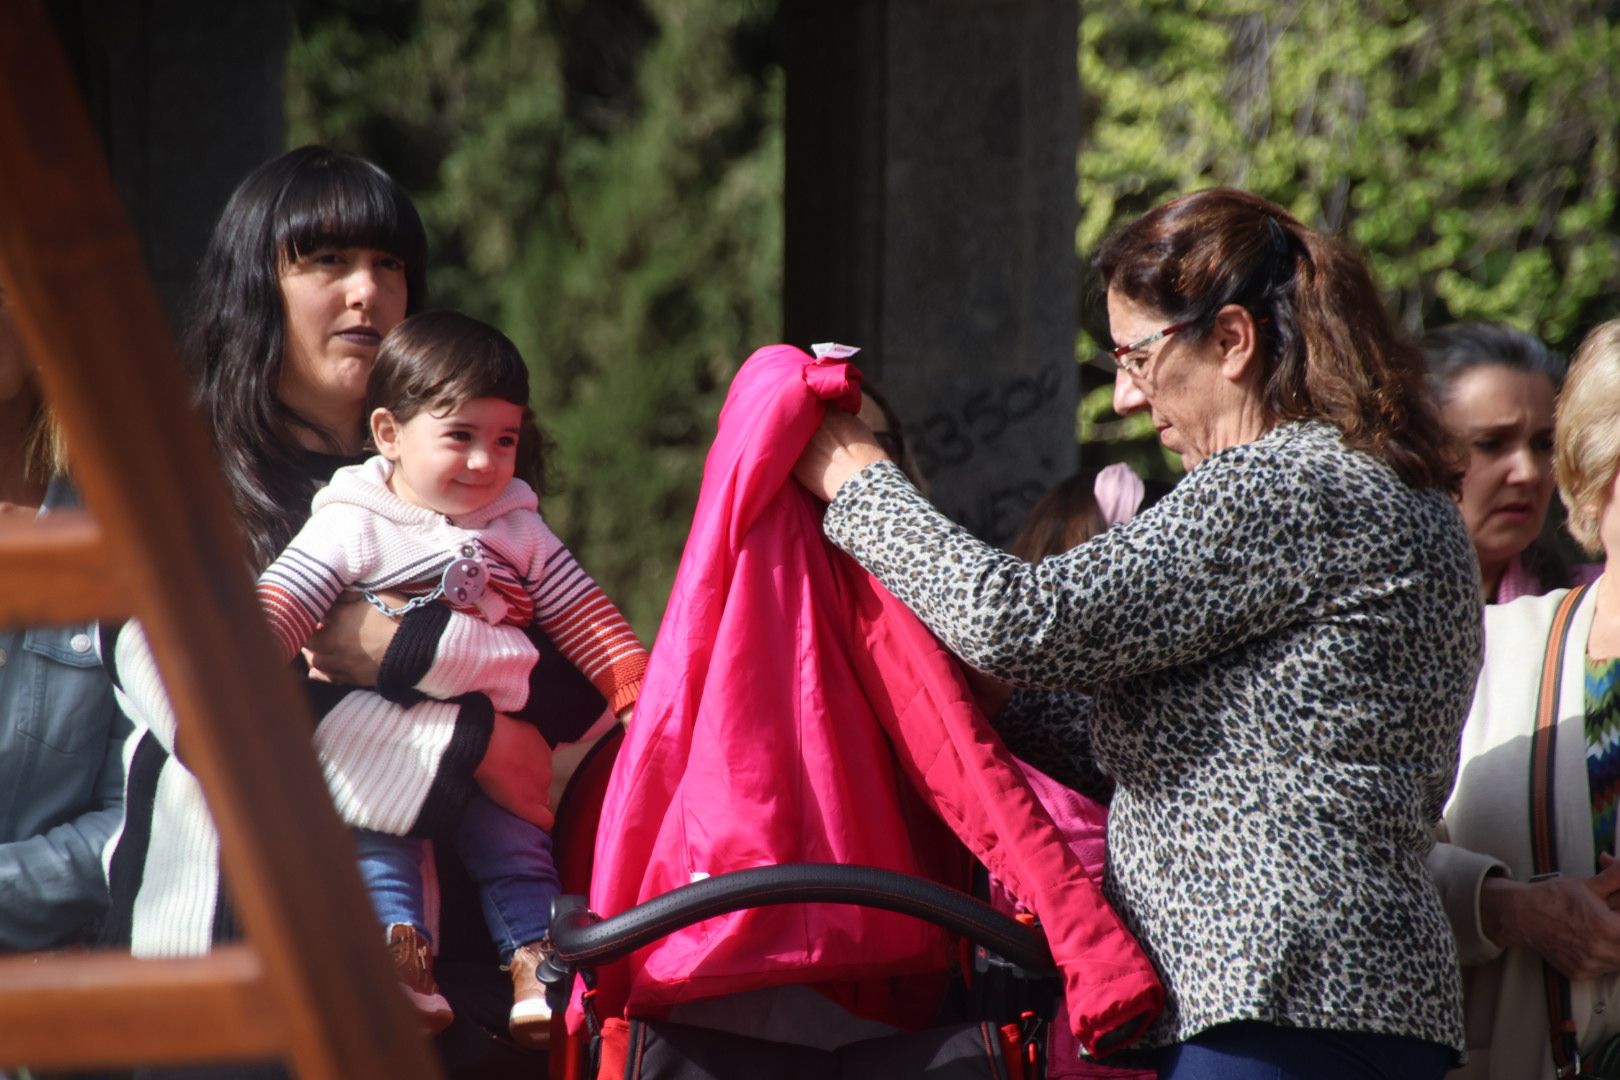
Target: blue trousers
point(1250, 1050)
point(506, 857)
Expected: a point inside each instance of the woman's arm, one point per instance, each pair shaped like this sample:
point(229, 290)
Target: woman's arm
point(436, 652)
point(1192, 577)
point(1460, 874)
point(51, 884)
point(515, 771)
point(1570, 923)
point(409, 770)
point(354, 641)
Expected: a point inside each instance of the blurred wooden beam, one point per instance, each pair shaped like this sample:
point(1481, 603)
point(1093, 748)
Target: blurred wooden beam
point(114, 1009)
point(88, 314)
point(58, 570)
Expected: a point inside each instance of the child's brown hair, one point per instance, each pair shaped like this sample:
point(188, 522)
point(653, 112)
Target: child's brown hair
point(439, 360)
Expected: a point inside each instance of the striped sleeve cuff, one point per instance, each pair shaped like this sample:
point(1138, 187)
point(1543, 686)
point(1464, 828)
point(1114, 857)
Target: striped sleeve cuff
point(411, 653)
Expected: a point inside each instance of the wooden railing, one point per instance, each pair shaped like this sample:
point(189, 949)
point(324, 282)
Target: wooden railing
point(313, 986)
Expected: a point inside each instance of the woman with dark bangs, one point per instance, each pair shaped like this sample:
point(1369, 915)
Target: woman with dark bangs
point(317, 255)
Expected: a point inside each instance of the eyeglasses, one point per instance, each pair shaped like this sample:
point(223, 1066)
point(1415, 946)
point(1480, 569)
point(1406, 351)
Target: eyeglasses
point(1133, 358)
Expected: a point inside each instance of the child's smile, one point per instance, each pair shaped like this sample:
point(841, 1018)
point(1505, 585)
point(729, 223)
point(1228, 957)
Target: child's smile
point(453, 462)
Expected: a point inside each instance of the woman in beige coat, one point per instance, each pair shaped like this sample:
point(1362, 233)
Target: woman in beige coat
point(1510, 922)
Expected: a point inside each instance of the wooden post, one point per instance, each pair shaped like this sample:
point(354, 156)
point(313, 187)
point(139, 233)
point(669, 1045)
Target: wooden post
point(89, 315)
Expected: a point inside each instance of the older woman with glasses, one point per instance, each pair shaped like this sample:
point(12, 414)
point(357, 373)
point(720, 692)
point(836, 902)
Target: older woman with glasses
point(1281, 651)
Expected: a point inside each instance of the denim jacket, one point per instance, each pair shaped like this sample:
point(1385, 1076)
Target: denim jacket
point(61, 779)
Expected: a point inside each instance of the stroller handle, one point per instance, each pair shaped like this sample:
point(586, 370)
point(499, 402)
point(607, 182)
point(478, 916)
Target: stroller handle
point(583, 939)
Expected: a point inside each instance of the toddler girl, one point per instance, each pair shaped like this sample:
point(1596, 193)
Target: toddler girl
point(438, 516)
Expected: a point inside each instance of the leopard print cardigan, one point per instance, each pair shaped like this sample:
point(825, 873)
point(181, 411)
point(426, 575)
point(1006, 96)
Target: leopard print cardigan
point(1280, 655)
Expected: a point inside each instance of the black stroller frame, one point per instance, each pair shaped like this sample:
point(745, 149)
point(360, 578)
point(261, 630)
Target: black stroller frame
point(1013, 979)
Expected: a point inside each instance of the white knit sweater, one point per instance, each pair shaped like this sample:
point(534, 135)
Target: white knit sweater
point(363, 536)
point(390, 767)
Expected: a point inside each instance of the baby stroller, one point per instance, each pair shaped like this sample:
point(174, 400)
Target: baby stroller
point(995, 1010)
point(794, 712)
point(998, 1020)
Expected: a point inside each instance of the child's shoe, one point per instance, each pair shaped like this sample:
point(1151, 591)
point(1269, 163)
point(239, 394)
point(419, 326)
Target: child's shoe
point(530, 1019)
point(414, 965)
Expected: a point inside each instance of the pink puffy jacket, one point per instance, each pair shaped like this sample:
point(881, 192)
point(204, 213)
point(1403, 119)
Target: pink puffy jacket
point(794, 711)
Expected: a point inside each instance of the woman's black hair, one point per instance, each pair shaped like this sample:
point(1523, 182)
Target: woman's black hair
point(294, 204)
point(894, 441)
point(1451, 350)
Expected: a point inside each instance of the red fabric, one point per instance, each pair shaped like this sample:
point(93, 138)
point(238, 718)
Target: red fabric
point(579, 814)
point(1012, 1051)
point(1083, 824)
point(615, 1049)
point(793, 711)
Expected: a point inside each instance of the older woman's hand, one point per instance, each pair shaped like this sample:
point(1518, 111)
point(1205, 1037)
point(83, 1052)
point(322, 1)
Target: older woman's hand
point(349, 644)
point(516, 771)
point(1569, 922)
point(839, 449)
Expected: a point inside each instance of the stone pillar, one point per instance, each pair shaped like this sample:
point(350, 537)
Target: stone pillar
point(187, 96)
point(931, 214)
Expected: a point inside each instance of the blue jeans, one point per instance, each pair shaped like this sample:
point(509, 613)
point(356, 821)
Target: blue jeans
point(1250, 1050)
point(506, 857)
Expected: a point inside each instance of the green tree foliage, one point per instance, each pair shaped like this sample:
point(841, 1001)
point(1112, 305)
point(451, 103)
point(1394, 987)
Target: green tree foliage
point(1467, 146)
point(601, 179)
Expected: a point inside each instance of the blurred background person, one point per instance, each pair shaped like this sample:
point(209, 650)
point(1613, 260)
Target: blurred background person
point(1497, 388)
point(61, 735)
point(1535, 940)
point(1076, 509)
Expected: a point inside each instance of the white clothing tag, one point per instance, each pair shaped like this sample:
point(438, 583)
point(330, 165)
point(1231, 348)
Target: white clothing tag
point(833, 350)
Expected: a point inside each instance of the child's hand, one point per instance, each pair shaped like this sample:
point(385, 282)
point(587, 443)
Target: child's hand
point(348, 645)
point(516, 771)
point(625, 713)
